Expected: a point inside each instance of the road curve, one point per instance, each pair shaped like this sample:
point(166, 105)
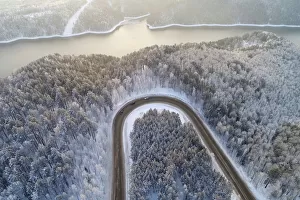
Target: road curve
point(118, 175)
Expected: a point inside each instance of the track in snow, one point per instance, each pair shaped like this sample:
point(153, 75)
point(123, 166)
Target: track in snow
point(72, 21)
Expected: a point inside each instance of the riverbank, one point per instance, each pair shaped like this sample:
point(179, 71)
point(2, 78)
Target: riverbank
point(129, 20)
point(120, 42)
point(115, 27)
point(221, 25)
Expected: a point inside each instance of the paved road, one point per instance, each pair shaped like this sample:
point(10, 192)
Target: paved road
point(119, 182)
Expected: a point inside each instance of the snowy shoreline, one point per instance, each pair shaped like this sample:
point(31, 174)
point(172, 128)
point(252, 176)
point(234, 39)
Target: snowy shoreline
point(221, 25)
point(121, 23)
point(150, 27)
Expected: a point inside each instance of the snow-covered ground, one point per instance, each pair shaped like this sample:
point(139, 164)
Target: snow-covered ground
point(72, 21)
point(234, 196)
point(110, 3)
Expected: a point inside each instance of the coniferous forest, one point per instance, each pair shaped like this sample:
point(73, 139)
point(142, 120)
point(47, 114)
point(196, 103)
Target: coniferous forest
point(56, 113)
point(169, 161)
point(44, 18)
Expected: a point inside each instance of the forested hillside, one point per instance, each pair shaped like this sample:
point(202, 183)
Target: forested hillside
point(35, 18)
point(56, 113)
point(227, 12)
point(44, 18)
point(169, 161)
point(100, 15)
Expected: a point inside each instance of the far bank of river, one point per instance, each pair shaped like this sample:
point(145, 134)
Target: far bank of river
point(124, 40)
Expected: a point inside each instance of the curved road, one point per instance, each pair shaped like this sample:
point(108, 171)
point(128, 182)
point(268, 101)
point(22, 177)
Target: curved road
point(118, 179)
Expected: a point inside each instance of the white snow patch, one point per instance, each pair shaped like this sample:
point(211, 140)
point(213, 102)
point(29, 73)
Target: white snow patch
point(110, 3)
point(72, 21)
point(234, 196)
point(247, 44)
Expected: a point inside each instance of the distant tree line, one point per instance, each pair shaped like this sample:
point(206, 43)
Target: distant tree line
point(229, 12)
point(35, 18)
point(99, 16)
point(46, 18)
point(56, 113)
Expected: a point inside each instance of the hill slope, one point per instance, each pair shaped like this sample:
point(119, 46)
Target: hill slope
point(56, 112)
